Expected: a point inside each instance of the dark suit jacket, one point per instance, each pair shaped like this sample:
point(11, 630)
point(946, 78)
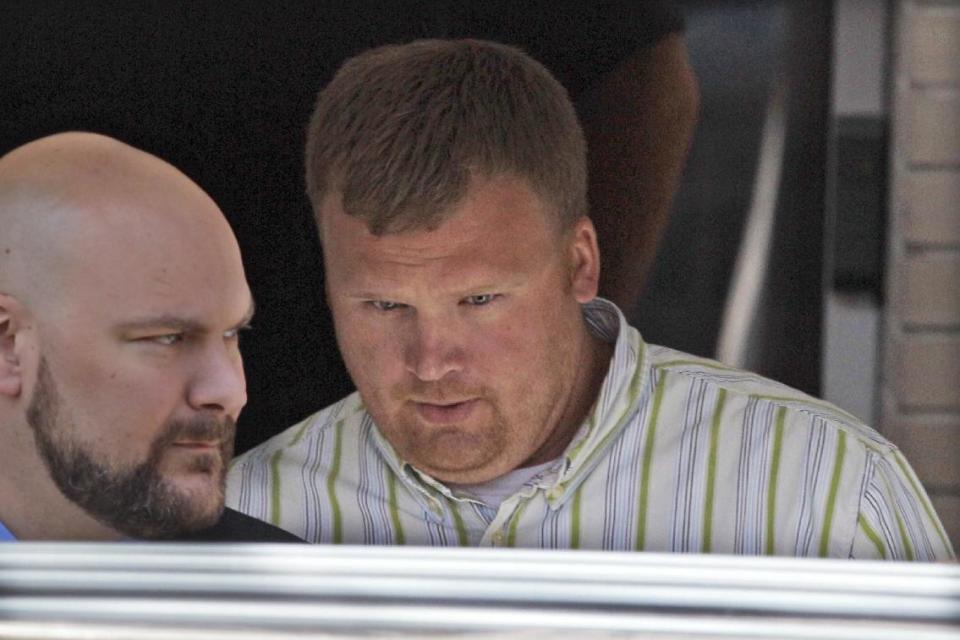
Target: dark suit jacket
point(234, 526)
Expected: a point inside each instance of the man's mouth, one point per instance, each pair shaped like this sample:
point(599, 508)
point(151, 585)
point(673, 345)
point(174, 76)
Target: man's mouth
point(446, 412)
point(197, 445)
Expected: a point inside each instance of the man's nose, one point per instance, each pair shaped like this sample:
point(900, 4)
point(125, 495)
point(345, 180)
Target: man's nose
point(218, 383)
point(434, 349)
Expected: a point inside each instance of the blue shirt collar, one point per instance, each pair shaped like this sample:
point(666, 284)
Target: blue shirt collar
point(5, 535)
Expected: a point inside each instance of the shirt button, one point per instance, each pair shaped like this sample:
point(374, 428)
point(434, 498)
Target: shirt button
point(497, 538)
point(555, 492)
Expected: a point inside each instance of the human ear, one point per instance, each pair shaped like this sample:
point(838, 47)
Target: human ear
point(585, 260)
point(11, 373)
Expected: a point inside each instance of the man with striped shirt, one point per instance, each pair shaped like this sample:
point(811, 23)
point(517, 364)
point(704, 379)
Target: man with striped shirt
point(499, 401)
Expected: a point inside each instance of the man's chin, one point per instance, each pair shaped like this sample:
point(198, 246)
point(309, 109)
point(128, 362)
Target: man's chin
point(189, 515)
point(180, 503)
point(202, 519)
point(201, 491)
point(451, 466)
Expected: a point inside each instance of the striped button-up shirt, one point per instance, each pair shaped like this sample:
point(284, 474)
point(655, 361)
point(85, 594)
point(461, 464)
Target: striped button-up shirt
point(679, 453)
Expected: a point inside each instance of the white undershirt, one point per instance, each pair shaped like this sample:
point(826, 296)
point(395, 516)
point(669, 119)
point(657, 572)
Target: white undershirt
point(495, 491)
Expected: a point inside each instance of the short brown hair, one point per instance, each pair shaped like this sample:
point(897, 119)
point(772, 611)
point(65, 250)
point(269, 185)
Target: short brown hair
point(401, 129)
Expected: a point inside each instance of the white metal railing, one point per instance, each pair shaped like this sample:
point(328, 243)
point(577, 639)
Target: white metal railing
point(133, 588)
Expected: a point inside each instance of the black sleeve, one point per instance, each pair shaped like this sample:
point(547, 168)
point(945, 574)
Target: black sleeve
point(578, 41)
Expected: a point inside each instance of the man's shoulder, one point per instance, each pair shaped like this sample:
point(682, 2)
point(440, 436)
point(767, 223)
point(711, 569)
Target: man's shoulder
point(745, 387)
point(280, 480)
point(234, 526)
point(312, 426)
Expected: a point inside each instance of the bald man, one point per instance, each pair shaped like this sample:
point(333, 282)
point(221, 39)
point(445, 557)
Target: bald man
point(122, 294)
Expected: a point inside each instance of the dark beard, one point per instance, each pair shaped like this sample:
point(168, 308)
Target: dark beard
point(135, 501)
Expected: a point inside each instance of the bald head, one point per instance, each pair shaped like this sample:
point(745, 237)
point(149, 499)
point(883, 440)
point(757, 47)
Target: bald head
point(70, 197)
point(121, 294)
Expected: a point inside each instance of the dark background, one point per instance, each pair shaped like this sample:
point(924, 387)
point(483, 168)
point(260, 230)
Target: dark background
point(223, 91)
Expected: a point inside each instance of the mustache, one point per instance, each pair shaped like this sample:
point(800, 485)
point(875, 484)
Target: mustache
point(439, 392)
point(202, 428)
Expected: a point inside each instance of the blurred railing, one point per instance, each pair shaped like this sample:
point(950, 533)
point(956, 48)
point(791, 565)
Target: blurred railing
point(185, 591)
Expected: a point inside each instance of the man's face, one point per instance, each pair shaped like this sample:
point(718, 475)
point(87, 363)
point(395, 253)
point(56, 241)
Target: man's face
point(135, 499)
point(140, 379)
point(466, 343)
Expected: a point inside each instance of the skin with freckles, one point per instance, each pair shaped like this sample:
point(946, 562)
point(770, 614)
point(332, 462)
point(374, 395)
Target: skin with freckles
point(466, 342)
point(121, 296)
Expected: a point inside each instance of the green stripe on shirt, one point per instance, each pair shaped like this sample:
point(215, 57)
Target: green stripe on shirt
point(772, 485)
point(712, 473)
point(874, 537)
point(275, 487)
point(332, 484)
point(515, 522)
point(921, 497)
point(810, 402)
point(904, 538)
point(648, 463)
point(575, 519)
point(462, 539)
point(907, 547)
point(832, 496)
point(398, 536)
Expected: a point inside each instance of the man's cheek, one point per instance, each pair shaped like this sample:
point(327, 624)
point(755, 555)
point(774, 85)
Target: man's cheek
point(366, 342)
point(352, 336)
point(367, 355)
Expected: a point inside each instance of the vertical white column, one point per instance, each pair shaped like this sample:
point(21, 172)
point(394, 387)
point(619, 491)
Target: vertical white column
point(851, 322)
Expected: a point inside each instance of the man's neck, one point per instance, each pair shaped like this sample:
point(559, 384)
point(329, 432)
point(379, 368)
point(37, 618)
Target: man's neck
point(494, 492)
point(591, 370)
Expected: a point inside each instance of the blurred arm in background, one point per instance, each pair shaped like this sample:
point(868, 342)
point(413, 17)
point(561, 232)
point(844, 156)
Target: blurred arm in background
point(639, 120)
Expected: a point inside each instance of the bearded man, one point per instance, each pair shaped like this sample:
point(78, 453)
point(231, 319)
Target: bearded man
point(122, 294)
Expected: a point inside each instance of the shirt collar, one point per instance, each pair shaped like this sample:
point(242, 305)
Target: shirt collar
point(5, 535)
point(410, 475)
point(621, 394)
point(619, 397)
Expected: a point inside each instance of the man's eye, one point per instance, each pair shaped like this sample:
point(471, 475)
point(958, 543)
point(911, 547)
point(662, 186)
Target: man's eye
point(233, 334)
point(480, 300)
point(385, 305)
point(167, 339)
